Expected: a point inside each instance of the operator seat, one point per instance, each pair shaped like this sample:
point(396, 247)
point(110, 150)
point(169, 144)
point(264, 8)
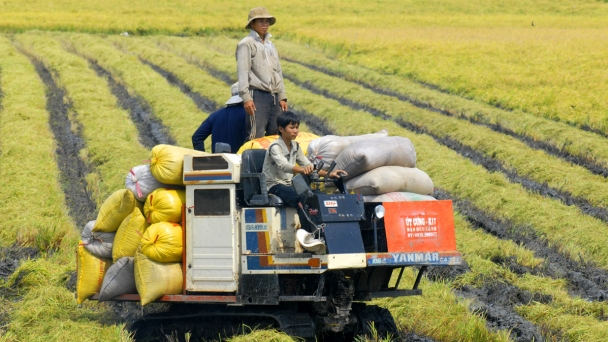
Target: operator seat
point(254, 182)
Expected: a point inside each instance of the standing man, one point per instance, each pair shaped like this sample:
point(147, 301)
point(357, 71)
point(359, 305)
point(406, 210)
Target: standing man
point(260, 76)
point(227, 125)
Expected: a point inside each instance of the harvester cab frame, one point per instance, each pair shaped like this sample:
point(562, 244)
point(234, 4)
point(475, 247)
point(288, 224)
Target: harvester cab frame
point(244, 249)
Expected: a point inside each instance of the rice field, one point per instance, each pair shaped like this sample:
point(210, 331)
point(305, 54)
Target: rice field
point(505, 103)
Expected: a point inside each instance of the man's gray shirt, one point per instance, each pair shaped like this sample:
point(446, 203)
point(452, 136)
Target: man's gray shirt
point(279, 162)
point(258, 67)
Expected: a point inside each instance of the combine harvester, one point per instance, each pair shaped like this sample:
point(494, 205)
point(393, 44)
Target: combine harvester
point(248, 255)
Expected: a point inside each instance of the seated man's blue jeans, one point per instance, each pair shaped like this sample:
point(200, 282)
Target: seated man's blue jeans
point(291, 198)
point(288, 194)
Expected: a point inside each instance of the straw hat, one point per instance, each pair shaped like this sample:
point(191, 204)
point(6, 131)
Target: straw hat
point(260, 13)
point(234, 90)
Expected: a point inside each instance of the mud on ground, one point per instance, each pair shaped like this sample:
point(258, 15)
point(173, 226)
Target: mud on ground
point(10, 259)
point(72, 168)
point(150, 128)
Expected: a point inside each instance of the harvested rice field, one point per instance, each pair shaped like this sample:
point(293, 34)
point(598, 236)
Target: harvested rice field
point(505, 102)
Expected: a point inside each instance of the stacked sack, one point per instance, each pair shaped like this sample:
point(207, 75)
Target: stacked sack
point(135, 247)
point(304, 139)
point(377, 164)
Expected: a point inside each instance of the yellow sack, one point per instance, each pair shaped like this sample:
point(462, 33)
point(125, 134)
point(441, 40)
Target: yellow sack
point(129, 235)
point(165, 205)
point(154, 279)
point(115, 208)
point(90, 271)
point(162, 242)
point(304, 138)
point(167, 163)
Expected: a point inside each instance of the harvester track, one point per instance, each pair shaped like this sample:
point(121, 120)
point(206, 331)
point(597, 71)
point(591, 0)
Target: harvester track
point(151, 129)
point(72, 168)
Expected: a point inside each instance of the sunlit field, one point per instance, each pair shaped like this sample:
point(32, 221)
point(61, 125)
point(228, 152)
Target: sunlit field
point(505, 102)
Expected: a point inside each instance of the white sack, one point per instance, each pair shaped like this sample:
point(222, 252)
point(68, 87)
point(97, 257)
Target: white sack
point(97, 243)
point(370, 154)
point(119, 279)
point(397, 197)
point(141, 182)
point(391, 179)
point(328, 147)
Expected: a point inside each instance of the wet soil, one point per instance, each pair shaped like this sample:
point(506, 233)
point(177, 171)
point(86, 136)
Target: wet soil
point(68, 136)
point(203, 103)
point(489, 163)
point(584, 279)
point(151, 129)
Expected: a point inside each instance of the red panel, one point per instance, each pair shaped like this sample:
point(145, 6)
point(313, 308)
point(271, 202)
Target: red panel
point(425, 226)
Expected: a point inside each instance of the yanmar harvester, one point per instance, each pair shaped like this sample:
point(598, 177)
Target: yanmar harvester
point(248, 254)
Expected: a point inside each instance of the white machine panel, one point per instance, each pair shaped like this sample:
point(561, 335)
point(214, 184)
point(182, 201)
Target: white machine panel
point(211, 238)
point(212, 168)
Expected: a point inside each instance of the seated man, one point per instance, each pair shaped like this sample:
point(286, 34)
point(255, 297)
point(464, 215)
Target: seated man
point(281, 158)
point(227, 125)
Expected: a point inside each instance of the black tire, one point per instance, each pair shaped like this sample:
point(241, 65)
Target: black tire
point(382, 320)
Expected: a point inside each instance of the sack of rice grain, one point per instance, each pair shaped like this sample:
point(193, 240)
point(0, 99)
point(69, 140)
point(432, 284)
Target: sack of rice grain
point(303, 138)
point(97, 243)
point(90, 271)
point(156, 279)
point(162, 242)
point(119, 279)
point(129, 234)
point(167, 163)
point(397, 197)
point(369, 154)
point(328, 147)
point(141, 182)
point(115, 208)
point(391, 179)
point(165, 205)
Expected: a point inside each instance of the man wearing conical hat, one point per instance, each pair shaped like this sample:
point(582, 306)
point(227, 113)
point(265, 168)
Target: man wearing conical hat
point(260, 76)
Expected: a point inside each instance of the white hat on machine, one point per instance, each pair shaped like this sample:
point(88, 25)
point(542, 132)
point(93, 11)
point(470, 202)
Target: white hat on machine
point(309, 242)
point(234, 90)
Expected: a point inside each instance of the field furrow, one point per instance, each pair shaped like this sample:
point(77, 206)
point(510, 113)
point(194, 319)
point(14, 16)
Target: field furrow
point(176, 111)
point(28, 166)
point(516, 120)
point(151, 130)
point(574, 144)
point(34, 209)
point(110, 137)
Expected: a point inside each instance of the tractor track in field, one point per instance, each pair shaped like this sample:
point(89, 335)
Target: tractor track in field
point(549, 148)
point(470, 153)
point(151, 129)
point(73, 170)
point(584, 279)
point(204, 104)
